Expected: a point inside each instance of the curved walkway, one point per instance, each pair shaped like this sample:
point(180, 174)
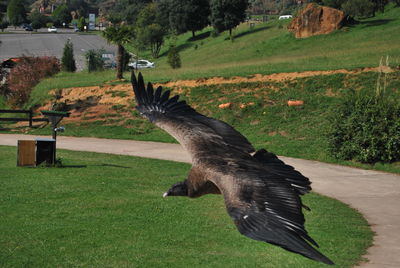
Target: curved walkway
point(375, 194)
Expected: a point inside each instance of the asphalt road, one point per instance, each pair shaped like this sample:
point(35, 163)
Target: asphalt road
point(50, 44)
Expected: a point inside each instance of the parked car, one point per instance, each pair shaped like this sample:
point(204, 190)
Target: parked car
point(52, 29)
point(285, 17)
point(28, 28)
point(108, 60)
point(141, 64)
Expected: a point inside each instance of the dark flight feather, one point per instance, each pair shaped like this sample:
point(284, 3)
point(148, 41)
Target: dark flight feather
point(261, 193)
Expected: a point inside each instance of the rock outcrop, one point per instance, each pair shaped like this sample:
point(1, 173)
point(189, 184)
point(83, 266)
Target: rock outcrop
point(316, 20)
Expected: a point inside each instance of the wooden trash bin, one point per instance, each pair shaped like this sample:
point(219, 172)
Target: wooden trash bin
point(34, 152)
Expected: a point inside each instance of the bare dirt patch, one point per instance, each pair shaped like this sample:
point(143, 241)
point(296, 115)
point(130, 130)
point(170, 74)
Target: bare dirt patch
point(109, 101)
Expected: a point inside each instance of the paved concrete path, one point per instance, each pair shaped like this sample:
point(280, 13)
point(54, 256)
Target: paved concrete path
point(375, 194)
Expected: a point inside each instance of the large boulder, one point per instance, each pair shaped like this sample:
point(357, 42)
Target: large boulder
point(315, 20)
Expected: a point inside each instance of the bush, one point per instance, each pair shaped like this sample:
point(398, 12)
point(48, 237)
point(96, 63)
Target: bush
point(26, 74)
point(358, 8)
point(94, 60)
point(174, 60)
point(67, 60)
point(366, 127)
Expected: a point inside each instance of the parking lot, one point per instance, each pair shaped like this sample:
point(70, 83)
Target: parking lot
point(20, 43)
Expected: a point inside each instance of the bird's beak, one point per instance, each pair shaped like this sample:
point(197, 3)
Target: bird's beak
point(165, 194)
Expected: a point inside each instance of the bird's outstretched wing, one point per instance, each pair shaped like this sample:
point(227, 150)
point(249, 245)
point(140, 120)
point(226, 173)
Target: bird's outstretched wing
point(266, 207)
point(261, 193)
point(194, 131)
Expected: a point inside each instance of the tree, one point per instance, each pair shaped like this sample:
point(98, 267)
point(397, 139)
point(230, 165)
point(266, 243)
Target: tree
point(379, 5)
point(334, 3)
point(16, 12)
point(79, 6)
point(174, 59)
point(358, 8)
point(225, 15)
point(61, 15)
point(37, 19)
point(119, 35)
point(3, 22)
point(67, 60)
point(94, 60)
point(188, 15)
point(81, 24)
point(148, 31)
point(3, 6)
point(128, 10)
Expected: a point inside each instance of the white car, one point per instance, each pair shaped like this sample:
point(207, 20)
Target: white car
point(141, 64)
point(52, 29)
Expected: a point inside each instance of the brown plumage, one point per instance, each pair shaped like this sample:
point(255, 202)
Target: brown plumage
point(261, 193)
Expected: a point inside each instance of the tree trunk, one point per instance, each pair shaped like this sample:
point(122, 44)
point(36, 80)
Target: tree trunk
point(120, 60)
point(193, 34)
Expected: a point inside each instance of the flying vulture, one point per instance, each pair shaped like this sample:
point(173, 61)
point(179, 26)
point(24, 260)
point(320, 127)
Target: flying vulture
point(261, 193)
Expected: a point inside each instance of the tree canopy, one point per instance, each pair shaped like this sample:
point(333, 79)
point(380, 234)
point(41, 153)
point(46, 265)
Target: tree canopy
point(188, 15)
point(225, 15)
point(61, 15)
point(37, 19)
point(16, 12)
point(149, 30)
point(119, 35)
point(128, 10)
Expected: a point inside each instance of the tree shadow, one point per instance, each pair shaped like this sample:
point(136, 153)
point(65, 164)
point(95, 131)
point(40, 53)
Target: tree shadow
point(373, 22)
point(179, 48)
point(249, 32)
point(200, 36)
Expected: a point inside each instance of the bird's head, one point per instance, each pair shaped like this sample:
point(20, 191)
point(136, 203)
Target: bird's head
point(178, 189)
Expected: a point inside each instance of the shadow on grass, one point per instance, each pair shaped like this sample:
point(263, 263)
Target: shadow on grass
point(73, 166)
point(179, 48)
point(248, 32)
point(200, 36)
point(251, 31)
point(371, 23)
point(111, 165)
point(99, 165)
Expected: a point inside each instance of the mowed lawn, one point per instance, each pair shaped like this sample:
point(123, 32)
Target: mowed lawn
point(102, 210)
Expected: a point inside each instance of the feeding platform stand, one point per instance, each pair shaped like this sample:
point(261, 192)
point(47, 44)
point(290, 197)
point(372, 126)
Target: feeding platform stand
point(32, 153)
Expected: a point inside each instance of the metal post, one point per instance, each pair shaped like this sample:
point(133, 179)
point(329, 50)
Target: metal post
point(54, 144)
point(30, 117)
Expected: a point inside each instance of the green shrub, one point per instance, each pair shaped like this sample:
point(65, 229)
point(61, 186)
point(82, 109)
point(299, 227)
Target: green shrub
point(94, 60)
point(174, 60)
point(366, 127)
point(67, 60)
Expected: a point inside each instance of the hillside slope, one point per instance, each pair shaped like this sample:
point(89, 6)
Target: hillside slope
point(270, 48)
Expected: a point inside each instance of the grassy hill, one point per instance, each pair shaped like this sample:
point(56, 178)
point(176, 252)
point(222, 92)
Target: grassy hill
point(270, 48)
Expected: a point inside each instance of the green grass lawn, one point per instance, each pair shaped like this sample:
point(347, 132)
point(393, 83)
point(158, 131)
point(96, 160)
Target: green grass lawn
point(104, 210)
